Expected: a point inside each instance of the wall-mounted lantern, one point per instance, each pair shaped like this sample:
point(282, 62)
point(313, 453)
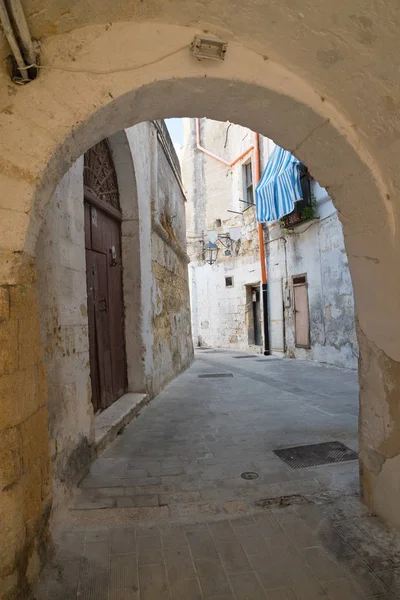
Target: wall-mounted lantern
point(210, 252)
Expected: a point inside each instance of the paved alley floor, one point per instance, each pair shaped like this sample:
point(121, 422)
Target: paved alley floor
point(164, 513)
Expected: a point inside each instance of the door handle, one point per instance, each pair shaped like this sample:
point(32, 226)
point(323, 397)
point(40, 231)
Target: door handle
point(103, 305)
point(113, 257)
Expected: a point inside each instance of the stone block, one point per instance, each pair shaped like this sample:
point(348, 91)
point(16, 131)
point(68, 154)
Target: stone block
point(8, 347)
point(21, 394)
point(10, 457)
point(33, 494)
point(8, 584)
point(34, 436)
point(12, 528)
point(34, 565)
point(29, 342)
point(4, 303)
point(23, 301)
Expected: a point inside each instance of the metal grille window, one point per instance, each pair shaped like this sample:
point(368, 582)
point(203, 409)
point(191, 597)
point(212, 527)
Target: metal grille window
point(248, 180)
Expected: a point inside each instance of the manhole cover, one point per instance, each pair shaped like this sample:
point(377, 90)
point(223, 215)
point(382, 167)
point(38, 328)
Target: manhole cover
point(204, 375)
point(313, 455)
point(249, 475)
point(282, 501)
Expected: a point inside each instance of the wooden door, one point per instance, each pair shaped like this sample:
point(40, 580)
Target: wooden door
point(302, 323)
point(104, 290)
point(255, 297)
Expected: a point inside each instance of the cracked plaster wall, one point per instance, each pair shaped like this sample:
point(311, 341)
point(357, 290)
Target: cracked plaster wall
point(315, 249)
point(221, 316)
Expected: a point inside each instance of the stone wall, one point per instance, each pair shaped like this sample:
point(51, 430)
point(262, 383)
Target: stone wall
point(165, 310)
point(25, 480)
point(292, 84)
point(221, 316)
point(156, 299)
point(315, 249)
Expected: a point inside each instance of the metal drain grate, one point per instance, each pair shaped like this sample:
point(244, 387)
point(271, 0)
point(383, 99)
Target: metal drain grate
point(204, 375)
point(245, 356)
point(316, 454)
point(249, 475)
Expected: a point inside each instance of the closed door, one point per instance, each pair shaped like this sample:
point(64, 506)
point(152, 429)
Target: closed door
point(302, 323)
point(105, 306)
point(255, 296)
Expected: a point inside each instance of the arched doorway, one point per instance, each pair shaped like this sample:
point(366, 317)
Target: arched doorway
point(103, 218)
point(312, 119)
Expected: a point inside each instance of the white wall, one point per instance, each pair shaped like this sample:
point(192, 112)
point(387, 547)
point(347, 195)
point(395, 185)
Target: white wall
point(315, 248)
point(156, 294)
point(61, 268)
point(221, 316)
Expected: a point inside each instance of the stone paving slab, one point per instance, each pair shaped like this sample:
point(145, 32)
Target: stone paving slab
point(165, 515)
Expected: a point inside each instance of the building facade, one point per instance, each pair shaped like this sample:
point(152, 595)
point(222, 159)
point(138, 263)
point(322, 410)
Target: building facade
point(112, 288)
point(310, 307)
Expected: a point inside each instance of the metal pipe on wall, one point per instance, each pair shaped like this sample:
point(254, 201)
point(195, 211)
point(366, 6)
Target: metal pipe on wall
point(22, 31)
point(263, 263)
point(215, 156)
point(16, 31)
point(12, 40)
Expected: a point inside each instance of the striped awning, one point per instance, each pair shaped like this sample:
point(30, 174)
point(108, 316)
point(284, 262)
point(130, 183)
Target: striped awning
point(279, 187)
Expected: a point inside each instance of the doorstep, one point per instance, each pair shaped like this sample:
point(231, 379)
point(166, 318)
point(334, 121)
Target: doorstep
point(111, 421)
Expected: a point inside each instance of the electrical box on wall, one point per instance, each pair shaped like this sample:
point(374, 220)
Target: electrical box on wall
point(208, 48)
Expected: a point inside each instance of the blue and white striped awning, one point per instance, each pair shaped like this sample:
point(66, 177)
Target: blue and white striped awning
point(279, 187)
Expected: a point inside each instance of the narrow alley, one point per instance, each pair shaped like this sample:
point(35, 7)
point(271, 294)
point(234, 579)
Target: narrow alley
point(165, 514)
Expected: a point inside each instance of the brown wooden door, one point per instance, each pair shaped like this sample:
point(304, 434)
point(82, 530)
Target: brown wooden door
point(105, 305)
point(302, 323)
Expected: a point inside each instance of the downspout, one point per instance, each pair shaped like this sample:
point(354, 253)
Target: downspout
point(215, 156)
point(11, 39)
point(23, 49)
point(263, 264)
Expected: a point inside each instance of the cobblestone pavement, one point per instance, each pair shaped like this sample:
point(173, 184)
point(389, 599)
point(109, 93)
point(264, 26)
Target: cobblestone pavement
point(165, 515)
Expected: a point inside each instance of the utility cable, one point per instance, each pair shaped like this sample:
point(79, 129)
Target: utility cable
point(110, 71)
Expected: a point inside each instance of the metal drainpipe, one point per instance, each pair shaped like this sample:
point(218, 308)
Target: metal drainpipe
point(11, 39)
point(263, 263)
point(16, 31)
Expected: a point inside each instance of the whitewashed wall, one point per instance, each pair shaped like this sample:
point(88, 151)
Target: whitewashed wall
point(220, 315)
point(157, 321)
point(316, 248)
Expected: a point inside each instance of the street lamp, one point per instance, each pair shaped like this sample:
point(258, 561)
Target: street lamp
point(211, 252)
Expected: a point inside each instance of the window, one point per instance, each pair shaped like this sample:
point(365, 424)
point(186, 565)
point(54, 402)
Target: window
point(218, 222)
point(248, 182)
point(228, 281)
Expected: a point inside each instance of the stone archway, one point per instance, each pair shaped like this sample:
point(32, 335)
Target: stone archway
point(165, 80)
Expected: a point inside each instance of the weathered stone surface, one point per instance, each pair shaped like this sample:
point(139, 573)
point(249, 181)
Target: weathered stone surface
point(10, 457)
point(30, 352)
point(4, 303)
point(8, 347)
point(12, 527)
point(21, 394)
point(23, 301)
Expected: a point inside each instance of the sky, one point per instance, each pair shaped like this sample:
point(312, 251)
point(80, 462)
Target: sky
point(175, 128)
